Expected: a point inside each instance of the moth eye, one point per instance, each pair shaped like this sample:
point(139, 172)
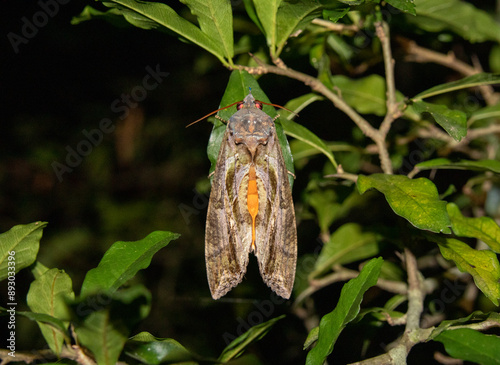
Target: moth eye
point(239, 105)
point(258, 105)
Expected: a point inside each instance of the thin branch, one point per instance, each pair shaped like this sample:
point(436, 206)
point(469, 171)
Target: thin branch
point(336, 27)
point(393, 111)
point(316, 85)
point(422, 55)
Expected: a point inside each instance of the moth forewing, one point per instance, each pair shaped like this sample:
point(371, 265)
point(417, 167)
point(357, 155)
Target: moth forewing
point(250, 207)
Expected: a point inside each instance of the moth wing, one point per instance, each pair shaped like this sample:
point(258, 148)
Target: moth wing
point(276, 245)
point(226, 255)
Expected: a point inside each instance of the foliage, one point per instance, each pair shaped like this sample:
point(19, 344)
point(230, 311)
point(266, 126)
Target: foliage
point(442, 228)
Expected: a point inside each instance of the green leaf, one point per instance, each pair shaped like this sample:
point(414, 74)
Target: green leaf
point(492, 111)
point(59, 327)
point(458, 16)
point(466, 82)
point(19, 247)
point(113, 16)
point(214, 17)
point(280, 19)
point(347, 309)
point(454, 122)
point(482, 265)
point(122, 261)
point(103, 321)
point(237, 88)
point(300, 132)
point(471, 345)
point(238, 345)
point(404, 5)
point(416, 200)
point(444, 163)
point(366, 95)
point(48, 295)
point(474, 317)
point(482, 228)
point(348, 244)
point(148, 349)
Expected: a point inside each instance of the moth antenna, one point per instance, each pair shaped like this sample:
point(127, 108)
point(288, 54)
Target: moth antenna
point(281, 107)
point(209, 114)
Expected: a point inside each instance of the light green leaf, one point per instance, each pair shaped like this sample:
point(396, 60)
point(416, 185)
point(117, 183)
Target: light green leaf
point(122, 261)
point(492, 111)
point(19, 247)
point(454, 122)
point(444, 163)
point(58, 325)
point(240, 82)
point(215, 20)
point(300, 132)
point(346, 310)
point(348, 244)
point(482, 228)
point(482, 265)
point(416, 200)
point(254, 334)
point(471, 345)
point(48, 295)
point(103, 321)
point(474, 317)
point(466, 82)
point(148, 349)
point(366, 95)
point(404, 5)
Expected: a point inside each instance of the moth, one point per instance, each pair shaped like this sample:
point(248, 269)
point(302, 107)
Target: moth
point(250, 207)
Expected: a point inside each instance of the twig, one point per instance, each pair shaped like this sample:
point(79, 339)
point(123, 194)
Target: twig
point(393, 111)
point(336, 27)
point(316, 85)
point(422, 55)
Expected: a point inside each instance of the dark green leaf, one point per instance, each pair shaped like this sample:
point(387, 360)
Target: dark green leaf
point(482, 265)
point(237, 346)
point(240, 82)
point(122, 261)
point(405, 5)
point(471, 345)
point(282, 18)
point(48, 295)
point(482, 228)
point(444, 163)
point(416, 200)
point(148, 349)
point(458, 16)
point(348, 244)
point(347, 309)
point(214, 17)
point(492, 111)
point(453, 121)
point(19, 245)
point(103, 321)
point(466, 82)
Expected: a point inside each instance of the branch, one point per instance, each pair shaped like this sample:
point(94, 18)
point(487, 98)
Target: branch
point(316, 85)
point(336, 27)
point(393, 111)
point(423, 55)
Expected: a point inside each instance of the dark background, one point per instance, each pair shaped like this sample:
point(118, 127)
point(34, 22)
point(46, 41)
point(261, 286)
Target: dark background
point(140, 177)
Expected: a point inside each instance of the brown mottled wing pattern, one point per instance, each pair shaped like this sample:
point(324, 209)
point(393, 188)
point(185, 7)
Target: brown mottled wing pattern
point(225, 255)
point(276, 241)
